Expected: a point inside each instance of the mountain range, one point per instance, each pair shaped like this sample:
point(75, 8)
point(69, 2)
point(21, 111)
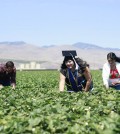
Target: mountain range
point(50, 57)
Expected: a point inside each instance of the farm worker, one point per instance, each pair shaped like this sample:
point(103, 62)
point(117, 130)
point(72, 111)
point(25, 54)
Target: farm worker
point(7, 75)
point(74, 73)
point(111, 71)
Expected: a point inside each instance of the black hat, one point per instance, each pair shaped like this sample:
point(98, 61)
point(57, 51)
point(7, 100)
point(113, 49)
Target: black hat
point(69, 53)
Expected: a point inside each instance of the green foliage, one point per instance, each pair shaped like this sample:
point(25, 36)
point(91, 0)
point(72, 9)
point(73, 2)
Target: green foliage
point(37, 106)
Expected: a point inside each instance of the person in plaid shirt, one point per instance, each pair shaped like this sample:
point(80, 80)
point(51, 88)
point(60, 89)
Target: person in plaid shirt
point(7, 75)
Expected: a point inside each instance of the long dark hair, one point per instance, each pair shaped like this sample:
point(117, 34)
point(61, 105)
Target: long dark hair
point(113, 56)
point(82, 64)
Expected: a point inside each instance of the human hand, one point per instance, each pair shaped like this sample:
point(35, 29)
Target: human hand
point(114, 83)
point(13, 86)
point(1, 86)
point(106, 86)
point(84, 90)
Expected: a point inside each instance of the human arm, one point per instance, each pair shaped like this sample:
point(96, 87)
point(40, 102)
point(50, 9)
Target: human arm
point(62, 82)
point(115, 83)
point(13, 79)
point(105, 75)
point(13, 85)
point(1, 86)
point(1, 73)
point(88, 77)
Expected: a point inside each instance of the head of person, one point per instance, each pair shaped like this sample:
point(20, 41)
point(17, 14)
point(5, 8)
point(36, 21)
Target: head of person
point(9, 66)
point(111, 58)
point(68, 62)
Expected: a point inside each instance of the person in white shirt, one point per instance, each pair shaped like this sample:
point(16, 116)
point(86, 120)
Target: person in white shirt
point(111, 71)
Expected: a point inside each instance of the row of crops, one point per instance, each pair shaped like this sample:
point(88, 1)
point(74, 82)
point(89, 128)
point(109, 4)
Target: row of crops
point(37, 106)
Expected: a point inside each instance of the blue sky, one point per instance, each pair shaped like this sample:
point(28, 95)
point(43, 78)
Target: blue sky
point(57, 22)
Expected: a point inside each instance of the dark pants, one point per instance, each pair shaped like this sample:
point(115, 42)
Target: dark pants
point(117, 87)
point(5, 83)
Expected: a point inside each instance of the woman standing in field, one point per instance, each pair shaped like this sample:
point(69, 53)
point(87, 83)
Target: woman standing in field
point(111, 71)
point(7, 75)
point(74, 73)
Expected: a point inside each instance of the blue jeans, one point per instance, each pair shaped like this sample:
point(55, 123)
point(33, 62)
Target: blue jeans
point(117, 87)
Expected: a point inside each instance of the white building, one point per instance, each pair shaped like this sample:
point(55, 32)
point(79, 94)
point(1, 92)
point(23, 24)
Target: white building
point(27, 66)
point(38, 66)
point(22, 66)
point(31, 65)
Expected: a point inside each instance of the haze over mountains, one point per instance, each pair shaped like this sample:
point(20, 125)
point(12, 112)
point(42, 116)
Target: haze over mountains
point(50, 57)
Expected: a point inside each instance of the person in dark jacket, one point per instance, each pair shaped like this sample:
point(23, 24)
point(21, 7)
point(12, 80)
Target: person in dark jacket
point(75, 74)
point(7, 75)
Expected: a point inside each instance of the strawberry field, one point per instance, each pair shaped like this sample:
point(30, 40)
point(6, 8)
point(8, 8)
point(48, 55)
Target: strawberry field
point(37, 106)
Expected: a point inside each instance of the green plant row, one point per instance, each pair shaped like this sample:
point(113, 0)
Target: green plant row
point(37, 106)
